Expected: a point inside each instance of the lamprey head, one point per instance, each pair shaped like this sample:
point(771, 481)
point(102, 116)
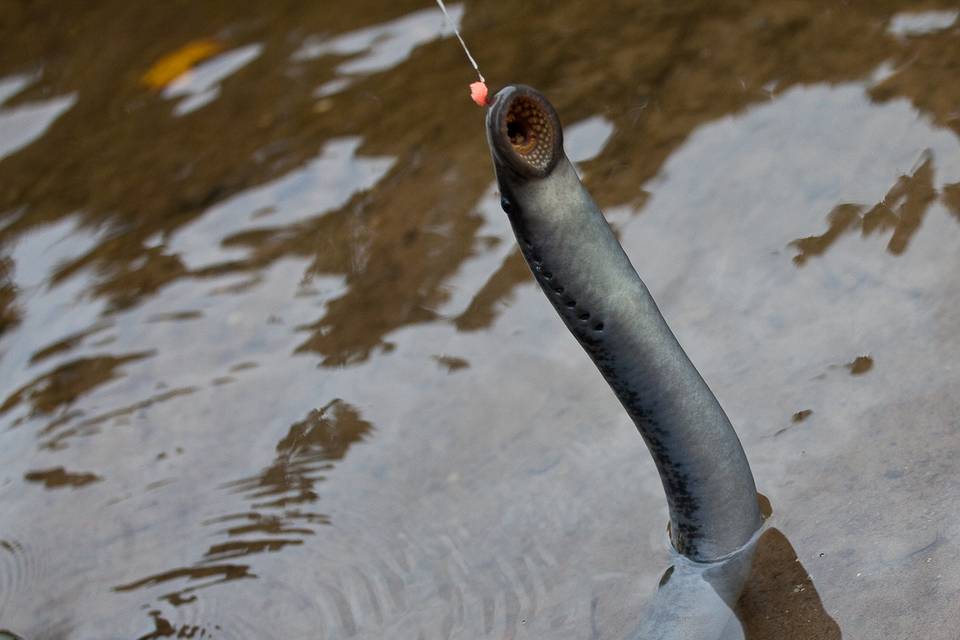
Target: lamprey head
point(524, 132)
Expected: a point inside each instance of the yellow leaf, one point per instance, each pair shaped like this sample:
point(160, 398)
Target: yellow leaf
point(173, 65)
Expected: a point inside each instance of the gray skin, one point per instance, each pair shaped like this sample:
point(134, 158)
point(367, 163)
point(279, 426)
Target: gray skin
point(584, 272)
point(589, 280)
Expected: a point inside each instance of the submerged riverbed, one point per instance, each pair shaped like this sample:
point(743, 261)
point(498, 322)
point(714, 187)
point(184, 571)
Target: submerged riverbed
point(272, 367)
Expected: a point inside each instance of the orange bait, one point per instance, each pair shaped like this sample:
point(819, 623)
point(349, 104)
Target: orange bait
point(478, 93)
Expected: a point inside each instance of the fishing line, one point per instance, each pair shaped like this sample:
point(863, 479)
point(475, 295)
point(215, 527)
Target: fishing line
point(460, 38)
point(478, 90)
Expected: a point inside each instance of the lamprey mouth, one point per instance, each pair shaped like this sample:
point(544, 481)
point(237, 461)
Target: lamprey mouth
point(525, 131)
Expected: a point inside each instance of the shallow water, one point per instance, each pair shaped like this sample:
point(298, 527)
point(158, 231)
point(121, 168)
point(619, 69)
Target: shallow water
point(270, 365)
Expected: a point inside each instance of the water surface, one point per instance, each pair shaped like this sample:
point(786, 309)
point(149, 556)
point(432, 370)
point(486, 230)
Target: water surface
point(270, 365)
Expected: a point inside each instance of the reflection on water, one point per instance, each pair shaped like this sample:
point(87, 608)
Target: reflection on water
point(303, 209)
point(922, 22)
point(201, 85)
point(860, 365)
point(280, 497)
point(60, 477)
point(383, 46)
point(451, 363)
point(175, 65)
point(77, 424)
point(780, 600)
point(901, 211)
point(62, 386)
point(22, 124)
point(236, 234)
point(9, 316)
